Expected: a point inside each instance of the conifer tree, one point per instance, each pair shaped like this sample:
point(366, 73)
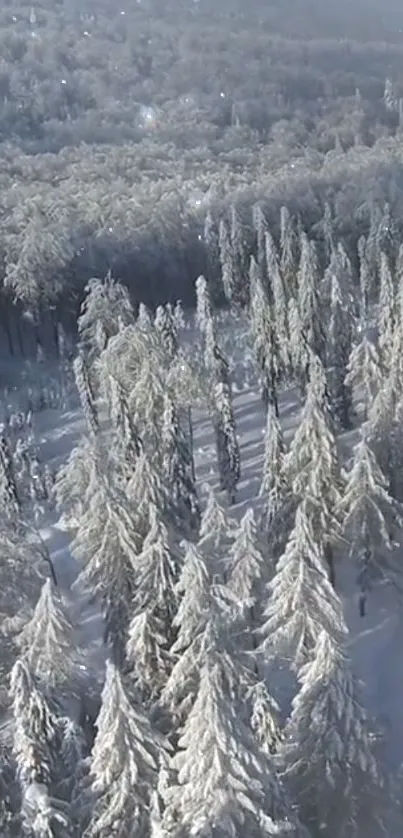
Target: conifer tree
point(308, 297)
point(261, 228)
point(274, 488)
point(217, 530)
point(301, 601)
point(264, 338)
point(339, 347)
point(214, 794)
point(240, 255)
point(312, 463)
point(265, 719)
point(228, 263)
point(280, 301)
point(124, 764)
point(365, 282)
point(9, 500)
point(327, 753)
point(128, 441)
point(145, 490)
point(86, 394)
point(247, 565)
point(212, 244)
point(288, 252)
point(47, 643)
point(108, 543)
point(378, 428)
point(106, 306)
point(371, 518)
point(177, 471)
point(364, 373)
point(73, 481)
point(386, 316)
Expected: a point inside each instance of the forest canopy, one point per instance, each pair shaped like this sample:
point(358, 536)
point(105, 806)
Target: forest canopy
point(122, 125)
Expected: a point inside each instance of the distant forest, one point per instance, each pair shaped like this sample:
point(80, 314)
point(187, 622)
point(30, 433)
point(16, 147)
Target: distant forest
point(130, 130)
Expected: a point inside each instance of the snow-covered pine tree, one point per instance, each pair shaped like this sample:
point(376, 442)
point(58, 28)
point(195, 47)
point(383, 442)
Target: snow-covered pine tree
point(47, 643)
point(144, 322)
point(213, 794)
point(107, 542)
point(265, 719)
point(263, 338)
point(229, 456)
point(154, 604)
point(177, 471)
point(377, 430)
point(212, 245)
point(371, 518)
point(300, 599)
point(277, 511)
point(124, 764)
point(386, 311)
point(312, 466)
point(86, 394)
point(260, 227)
point(9, 500)
point(327, 753)
point(217, 531)
point(105, 308)
point(146, 490)
point(308, 297)
point(10, 798)
point(73, 481)
point(366, 289)
point(339, 343)
point(280, 301)
point(128, 441)
point(247, 569)
point(166, 327)
point(227, 261)
point(288, 252)
point(364, 373)
point(204, 307)
point(240, 256)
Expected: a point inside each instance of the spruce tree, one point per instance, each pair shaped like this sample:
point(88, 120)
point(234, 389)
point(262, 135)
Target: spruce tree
point(339, 347)
point(327, 754)
point(217, 531)
point(300, 599)
point(263, 338)
point(260, 226)
point(86, 394)
point(106, 306)
point(277, 505)
point(364, 373)
point(177, 471)
point(247, 567)
point(371, 519)
point(228, 262)
point(288, 252)
point(146, 490)
point(124, 764)
point(280, 301)
point(308, 297)
point(213, 794)
point(386, 315)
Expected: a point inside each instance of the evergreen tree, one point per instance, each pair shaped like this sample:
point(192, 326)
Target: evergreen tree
point(261, 228)
point(264, 338)
point(308, 297)
point(214, 794)
point(240, 255)
point(280, 301)
point(212, 244)
point(274, 489)
point(108, 543)
point(339, 347)
point(177, 471)
point(9, 500)
point(106, 306)
point(371, 518)
point(128, 441)
point(73, 481)
point(301, 601)
point(124, 764)
point(47, 643)
point(378, 429)
point(145, 491)
point(386, 315)
point(265, 718)
point(228, 262)
point(247, 565)
point(312, 463)
point(204, 308)
point(327, 753)
point(288, 252)
point(365, 282)
point(217, 530)
point(364, 374)
point(86, 394)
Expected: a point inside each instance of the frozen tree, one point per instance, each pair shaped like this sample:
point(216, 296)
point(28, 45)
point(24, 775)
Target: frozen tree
point(177, 470)
point(240, 256)
point(300, 599)
point(36, 730)
point(370, 519)
point(378, 428)
point(105, 308)
point(229, 457)
point(288, 252)
point(217, 530)
point(247, 567)
point(228, 262)
point(265, 718)
point(73, 481)
point(143, 321)
point(280, 301)
point(146, 400)
point(86, 394)
point(124, 764)
point(365, 282)
point(298, 349)
point(154, 605)
point(47, 643)
point(274, 489)
point(339, 345)
point(146, 490)
point(9, 500)
point(214, 794)
point(10, 803)
point(327, 754)
point(263, 338)
point(204, 308)
point(364, 374)
point(107, 542)
point(128, 441)
point(312, 465)
point(165, 324)
point(43, 815)
point(212, 244)
point(386, 315)
point(260, 226)
point(308, 297)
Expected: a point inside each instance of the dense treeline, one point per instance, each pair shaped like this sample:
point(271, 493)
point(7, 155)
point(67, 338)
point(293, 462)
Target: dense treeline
point(120, 127)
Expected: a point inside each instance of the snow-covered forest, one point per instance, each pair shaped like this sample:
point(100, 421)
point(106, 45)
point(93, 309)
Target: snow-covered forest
point(200, 554)
point(201, 419)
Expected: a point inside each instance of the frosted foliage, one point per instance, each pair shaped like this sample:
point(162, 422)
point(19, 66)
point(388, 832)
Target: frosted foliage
point(85, 393)
point(245, 561)
point(217, 531)
point(327, 752)
point(193, 587)
point(370, 518)
point(280, 303)
point(225, 785)
point(72, 483)
point(298, 350)
point(177, 468)
point(364, 373)
point(378, 428)
point(36, 734)
point(274, 485)
point(263, 336)
point(146, 651)
point(106, 303)
point(265, 718)
point(386, 310)
point(44, 817)
point(301, 600)
point(145, 490)
point(46, 642)
point(204, 312)
point(124, 764)
point(157, 568)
